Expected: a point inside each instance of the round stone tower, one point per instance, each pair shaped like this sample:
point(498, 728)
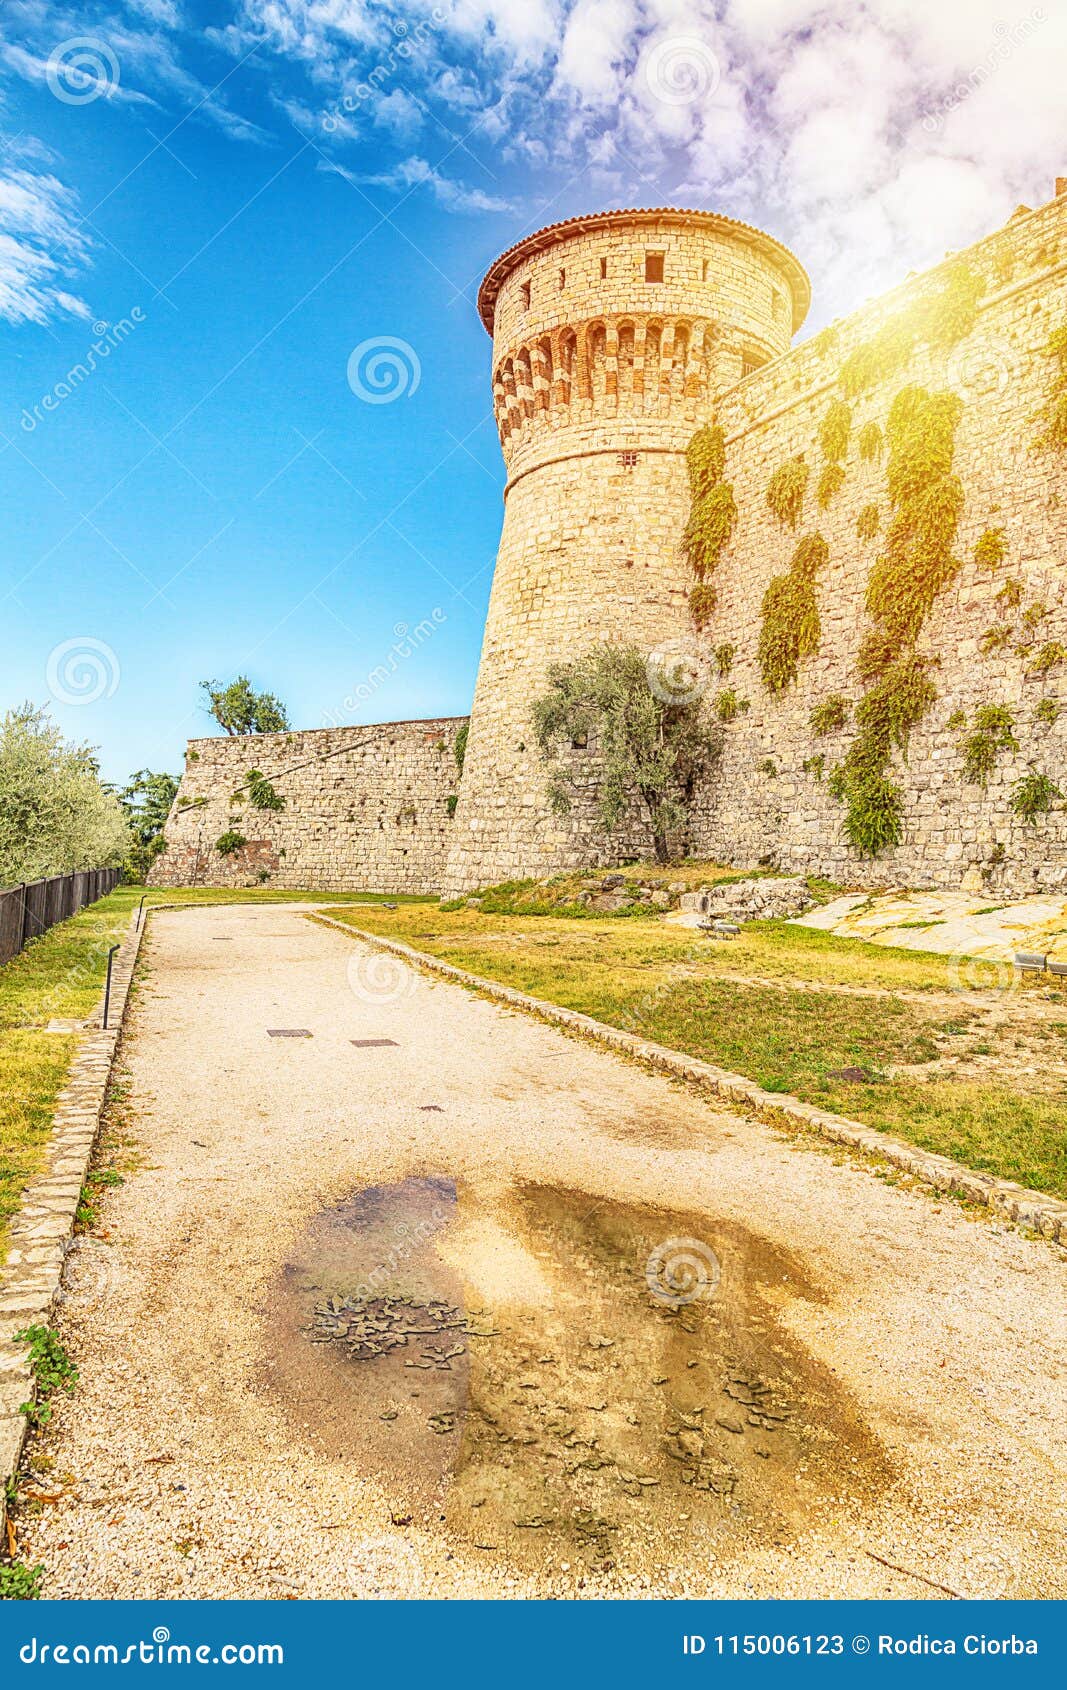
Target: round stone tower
point(612, 336)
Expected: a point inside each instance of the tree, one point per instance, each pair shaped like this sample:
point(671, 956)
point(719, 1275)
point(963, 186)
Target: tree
point(146, 801)
point(649, 743)
point(240, 710)
point(55, 813)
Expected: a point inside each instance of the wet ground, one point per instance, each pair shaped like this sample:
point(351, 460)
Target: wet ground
point(484, 1310)
point(621, 1387)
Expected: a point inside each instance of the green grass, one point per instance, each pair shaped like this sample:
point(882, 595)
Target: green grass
point(668, 984)
point(61, 976)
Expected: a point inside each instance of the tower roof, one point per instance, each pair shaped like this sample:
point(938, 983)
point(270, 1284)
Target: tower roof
point(553, 233)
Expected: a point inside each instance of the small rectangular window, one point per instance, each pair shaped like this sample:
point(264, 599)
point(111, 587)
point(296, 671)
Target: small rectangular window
point(704, 271)
point(654, 266)
point(562, 279)
point(525, 292)
point(603, 269)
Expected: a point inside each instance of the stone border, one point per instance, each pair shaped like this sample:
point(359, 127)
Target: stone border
point(42, 1230)
point(1033, 1209)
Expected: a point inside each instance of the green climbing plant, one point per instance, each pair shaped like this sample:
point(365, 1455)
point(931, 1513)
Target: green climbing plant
point(991, 549)
point(830, 714)
point(993, 732)
point(867, 522)
point(712, 507)
point(786, 489)
point(917, 564)
point(831, 480)
point(1034, 795)
point(790, 627)
point(1053, 414)
point(835, 430)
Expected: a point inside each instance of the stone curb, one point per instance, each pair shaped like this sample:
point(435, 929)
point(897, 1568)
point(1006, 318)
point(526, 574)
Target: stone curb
point(1030, 1208)
point(41, 1232)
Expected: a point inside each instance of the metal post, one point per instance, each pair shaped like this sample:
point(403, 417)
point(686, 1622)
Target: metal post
point(107, 987)
point(140, 909)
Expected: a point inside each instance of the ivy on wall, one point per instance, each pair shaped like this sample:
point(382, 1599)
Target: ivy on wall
point(991, 549)
point(835, 431)
point(790, 626)
point(829, 714)
point(786, 489)
point(871, 442)
point(939, 319)
point(712, 508)
point(993, 732)
point(917, 565)
point(831, 481)
point(1053, 414)
point(867, 522)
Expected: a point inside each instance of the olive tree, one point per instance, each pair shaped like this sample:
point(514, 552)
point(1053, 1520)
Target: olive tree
point(55, 813)
point(647, 740)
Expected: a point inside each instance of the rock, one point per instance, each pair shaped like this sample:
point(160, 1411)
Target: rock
point(608, 901)
point(662, 899)
point(756, 899)
point(973, 882)
point(610, 881)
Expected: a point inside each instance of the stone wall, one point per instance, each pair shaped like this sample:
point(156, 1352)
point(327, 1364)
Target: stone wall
point(1003, 375)
point(590, 550)
point(365, 809)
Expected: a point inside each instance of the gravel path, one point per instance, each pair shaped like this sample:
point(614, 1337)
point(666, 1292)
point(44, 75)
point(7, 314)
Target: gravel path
point(211, 1450)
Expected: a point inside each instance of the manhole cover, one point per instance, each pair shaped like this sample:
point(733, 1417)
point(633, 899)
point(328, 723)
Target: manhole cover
point(371, 1044)
point(288, 1033)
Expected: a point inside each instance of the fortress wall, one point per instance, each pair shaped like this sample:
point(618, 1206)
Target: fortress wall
point(366, 809)
point(1001, 372)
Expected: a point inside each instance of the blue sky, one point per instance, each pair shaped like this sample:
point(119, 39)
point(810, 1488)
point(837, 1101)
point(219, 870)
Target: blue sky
point(227, 205)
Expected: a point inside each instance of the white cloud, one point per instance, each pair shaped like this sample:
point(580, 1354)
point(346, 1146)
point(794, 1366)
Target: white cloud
point(413, 173)
point(39, 242)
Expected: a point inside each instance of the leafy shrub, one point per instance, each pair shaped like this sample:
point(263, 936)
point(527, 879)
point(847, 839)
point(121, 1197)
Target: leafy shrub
point(1051, 655)
point(1033, 796)
point(1047, 711)
point(724, 658)
point(1011, 593)
point(229, 842)
point(262, 795)
point(994, 639)
point(728, 706)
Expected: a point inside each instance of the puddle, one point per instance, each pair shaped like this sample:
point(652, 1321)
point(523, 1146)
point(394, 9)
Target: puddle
point(560, 1380)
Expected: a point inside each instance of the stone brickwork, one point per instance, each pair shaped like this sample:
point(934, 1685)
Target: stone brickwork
point(365, 809)
point(615, 337)
point(600, 379)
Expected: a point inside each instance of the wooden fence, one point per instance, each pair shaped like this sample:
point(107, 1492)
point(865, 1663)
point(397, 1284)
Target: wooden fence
point(30, 910)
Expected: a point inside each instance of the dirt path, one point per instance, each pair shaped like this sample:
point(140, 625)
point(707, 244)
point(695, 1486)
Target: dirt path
point(398, 1319)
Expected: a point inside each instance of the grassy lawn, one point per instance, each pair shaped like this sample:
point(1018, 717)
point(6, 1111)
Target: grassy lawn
point(61, 975)
point(670, 985)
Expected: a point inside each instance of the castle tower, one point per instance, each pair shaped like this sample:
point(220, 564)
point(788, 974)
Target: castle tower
point(612, 335)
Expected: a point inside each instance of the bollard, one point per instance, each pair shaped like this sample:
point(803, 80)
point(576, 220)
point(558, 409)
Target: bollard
point(140, 909)
point(107, 986)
